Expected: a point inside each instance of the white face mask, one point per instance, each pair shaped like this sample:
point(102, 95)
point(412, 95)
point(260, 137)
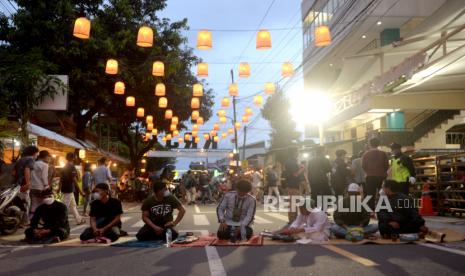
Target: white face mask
point(166, 193)
point(48, 200)
point(96, 196)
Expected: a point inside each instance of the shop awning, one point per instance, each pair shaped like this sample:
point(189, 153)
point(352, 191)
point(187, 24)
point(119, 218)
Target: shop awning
point(40, 131)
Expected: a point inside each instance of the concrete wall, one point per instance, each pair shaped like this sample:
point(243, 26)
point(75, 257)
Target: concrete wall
point(436, 139)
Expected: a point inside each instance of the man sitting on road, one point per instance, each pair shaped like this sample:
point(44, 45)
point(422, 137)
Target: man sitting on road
point(404, 217)
point(352, 219)
point(50, 221)
point(157, 213)
point(105, 216)
point(311, 223)
point(236, 209)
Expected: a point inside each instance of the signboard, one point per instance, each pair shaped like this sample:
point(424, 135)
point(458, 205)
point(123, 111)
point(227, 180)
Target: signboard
point(60, 100)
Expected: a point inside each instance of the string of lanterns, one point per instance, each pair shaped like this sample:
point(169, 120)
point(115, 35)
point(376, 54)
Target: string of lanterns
point(145, 38)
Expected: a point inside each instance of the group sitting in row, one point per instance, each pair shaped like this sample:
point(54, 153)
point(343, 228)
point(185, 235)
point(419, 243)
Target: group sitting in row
point(235, 213)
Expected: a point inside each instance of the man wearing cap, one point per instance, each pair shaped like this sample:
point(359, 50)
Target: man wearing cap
point(39, 180)
point(345, 221)
point(50, 221)
point(105, 216)
point(402, 169)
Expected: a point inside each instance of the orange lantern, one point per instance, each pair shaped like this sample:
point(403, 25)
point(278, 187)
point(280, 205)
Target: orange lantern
point(237, 125)
point(230, 131)
point(195, 103)
point(287, 70)
point(169, 137)
point(173, 127)
point(233, 90)
point(158, 69)
point(160, 90)
point(162, 102)
point(187, 137)
point(154, 131)
point(322, 36)
point(168, 114)
point(175, 120)
point(213, 133)
point(140, 112)
point(119, 88)
point(269, 88)
point(245, 119)
point(244, 70)
point(195, 133)
point(197, 90)
point(195, 127)
point(112, 67)
point(200, 121)
point(148, 136)
point(130, 101)
point(258, 100)
point(195, 115)
point(150, 126)
point(204, 40)
point(82, 28)
point(197, 140)
point(216, 127)
point(224, 135)
point(202, 69)
point(223, 120)
point(248, 111)
point(216, 139)
point(206, 136)
point(180, 140)
point(145, 37)
point(176, 133)
point(149, 119)
point(221, 113)
point(225, 102)
point(163, 139)
point(263, 40)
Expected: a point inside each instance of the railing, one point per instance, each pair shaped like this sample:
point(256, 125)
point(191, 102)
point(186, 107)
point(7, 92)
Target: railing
point(455, 138)
point(419, 118)
point(432, 122)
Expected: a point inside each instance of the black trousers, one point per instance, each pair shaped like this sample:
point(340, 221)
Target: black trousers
point(402, 187)
point(111, 234)
point(408, 227)
point(61, 233)
point(226, 235)
point(319, 189)
point(146, 233)
point(372, 185)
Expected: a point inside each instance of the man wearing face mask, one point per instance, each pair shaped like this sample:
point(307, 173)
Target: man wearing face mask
point(50, 221)
point(157, 213)
point(105, 216)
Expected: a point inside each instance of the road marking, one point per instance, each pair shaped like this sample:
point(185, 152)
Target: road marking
point(201, 220)
point(138, 224)
point(197, 209)
point(278, 216)
point(443, 248)
point(214, 261)
point(260, 220)
point(349, 255)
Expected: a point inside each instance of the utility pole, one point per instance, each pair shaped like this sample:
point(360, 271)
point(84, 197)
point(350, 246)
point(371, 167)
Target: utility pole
point(244, 142)
point(234, 123)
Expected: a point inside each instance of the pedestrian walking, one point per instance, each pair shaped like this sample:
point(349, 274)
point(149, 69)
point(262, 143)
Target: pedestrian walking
point(68, 184)
point(375, 163)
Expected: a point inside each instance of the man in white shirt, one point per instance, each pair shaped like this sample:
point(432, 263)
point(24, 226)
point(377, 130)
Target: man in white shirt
point(39, 181)
point(311, 223)
point(102, 173)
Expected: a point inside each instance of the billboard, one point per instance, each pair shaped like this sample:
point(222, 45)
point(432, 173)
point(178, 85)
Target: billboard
point(60, 100)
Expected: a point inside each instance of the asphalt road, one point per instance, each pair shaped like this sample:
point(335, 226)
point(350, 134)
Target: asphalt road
point(288, 259)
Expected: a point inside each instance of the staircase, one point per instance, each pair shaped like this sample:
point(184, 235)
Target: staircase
point(431, 133)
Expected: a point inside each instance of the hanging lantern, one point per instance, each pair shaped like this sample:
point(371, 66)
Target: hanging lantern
point(216, 127)
point(245, 119)
point(195, 103)
point(269, 88)
point(195, 133)
point(169, 137)
point(82, 28)
point(244, 70)
point(148, 136)
point(145, 37)
point(187, 137)
point(248, 111)
point(202, 70)
point(204, 40)
point(233, 90)
point(237, 125)
point(180, 140)
point(224, 135)
point(112, 67)
point(230, 131)
point(225, 102)
point(119, 88)
point(160, 90)
point(231, 155)
point(162, 102)
point(197, 90)
point(258, 100)
point(200, 121)
point(154, 131)
point(223, 120)
point(287, 70)
point(82, 153)
point(176, 133)
point(216, 139)
point(263, 40)
point(130, 101)
point(163, 139)
point(140, 112)
point(149, 119)
point(150, 126)
point(168, 114)
point(173, 127)
point(195, 115)
point(221, 113)
point(175, 120)
point(158, 69)
point(195, 127)
point(322, 36)
point(197, 140)
point(213, 133)
point(206, 136)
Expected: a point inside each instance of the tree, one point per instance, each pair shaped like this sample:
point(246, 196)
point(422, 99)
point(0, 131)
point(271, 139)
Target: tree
point(276, 111)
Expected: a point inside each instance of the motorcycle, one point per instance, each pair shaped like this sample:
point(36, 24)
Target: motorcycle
point(11, 205)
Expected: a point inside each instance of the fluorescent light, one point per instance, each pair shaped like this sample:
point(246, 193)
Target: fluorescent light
point(379, 23)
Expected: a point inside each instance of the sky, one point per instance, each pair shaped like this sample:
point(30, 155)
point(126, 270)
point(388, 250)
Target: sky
point(234, 24)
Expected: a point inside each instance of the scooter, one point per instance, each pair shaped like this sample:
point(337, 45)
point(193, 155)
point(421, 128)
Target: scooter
point(11, 210)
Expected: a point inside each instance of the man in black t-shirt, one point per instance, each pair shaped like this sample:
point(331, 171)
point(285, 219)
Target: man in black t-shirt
point(157, 213)
point(294, 174)
point(105, 216)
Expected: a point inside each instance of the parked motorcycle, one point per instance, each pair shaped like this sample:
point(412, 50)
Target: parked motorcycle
point(11, 206)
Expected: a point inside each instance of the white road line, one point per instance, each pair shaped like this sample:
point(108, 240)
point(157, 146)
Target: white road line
point(214, 261)
point(278, 216)
point(138, 224)
point(197, 209)
point(443, 248)
point(201, 220)
point(260, 220)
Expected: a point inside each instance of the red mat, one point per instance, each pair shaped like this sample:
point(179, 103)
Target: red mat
point(254, 241)
point(201, 242)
